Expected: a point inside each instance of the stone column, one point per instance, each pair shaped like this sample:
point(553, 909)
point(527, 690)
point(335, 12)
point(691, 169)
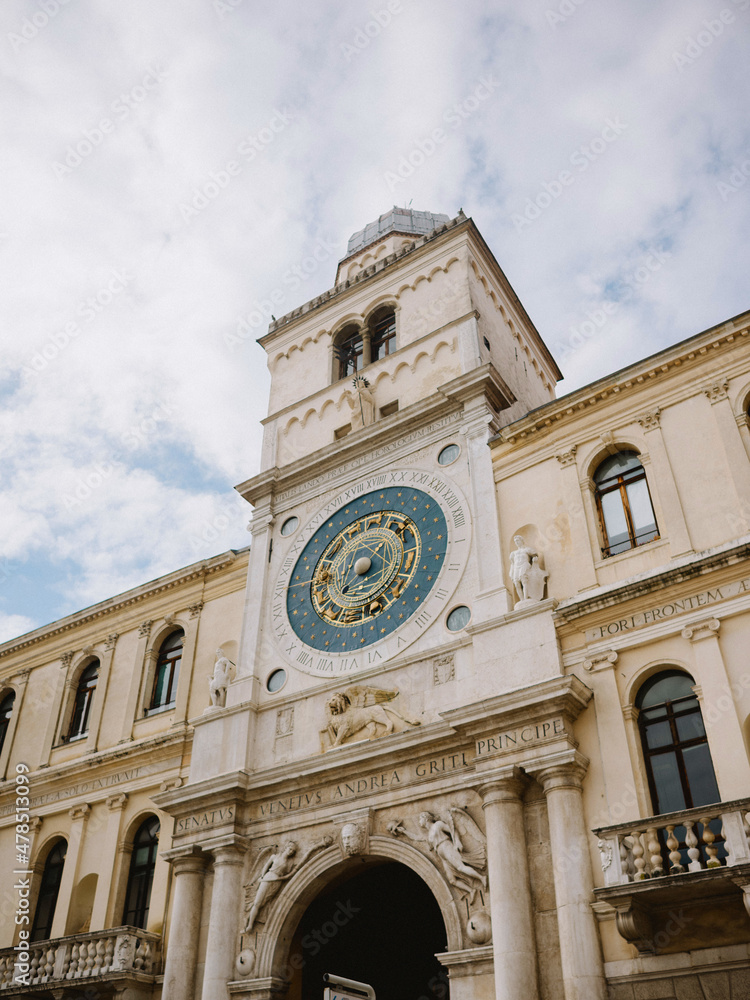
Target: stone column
point(583, 544)
point(675, 527)
point(723, 728)
point(100, 694)
point(184, 926)
point(115, 805)
point(513, 943)
point(366, 346)
point(739, 468)
point(78, 816)
point(187, 666)
point(221, 946)
point(580, 947)
point(18, 684)
point(132, 707)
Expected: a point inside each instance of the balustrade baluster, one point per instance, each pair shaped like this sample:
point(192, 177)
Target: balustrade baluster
point(49, 963)
point(693, 851)
point(654, 847)
point(99, 957)
point(674, 855)
point(4, 970)
point(90, 958)
point(638, 852)
point(109, 954)
point(36, 955)
point(708, 839)
point(82, 953)
point(622, 846)
point(72, 961)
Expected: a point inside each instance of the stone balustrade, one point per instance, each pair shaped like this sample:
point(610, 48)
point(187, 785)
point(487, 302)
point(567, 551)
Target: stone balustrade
point(678, 843)
point(119, 951)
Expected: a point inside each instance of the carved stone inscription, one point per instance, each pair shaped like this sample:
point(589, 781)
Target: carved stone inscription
point(514, 739)
point(365, 785)
point(216, 817)
point(665, 611)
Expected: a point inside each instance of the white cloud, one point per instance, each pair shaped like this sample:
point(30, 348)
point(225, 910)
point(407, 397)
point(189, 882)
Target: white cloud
point(148, 386)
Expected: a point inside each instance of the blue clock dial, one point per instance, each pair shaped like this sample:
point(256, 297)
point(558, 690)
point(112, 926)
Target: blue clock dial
point(367, 569)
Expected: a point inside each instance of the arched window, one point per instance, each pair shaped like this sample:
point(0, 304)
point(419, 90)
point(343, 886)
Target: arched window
point(678, 760)
point(383, 333)
point(141, 875)
point(167, 670)
point(624, 503)
point(348, 350)
point(6, 710)
point(79, 723)
point(50, 887)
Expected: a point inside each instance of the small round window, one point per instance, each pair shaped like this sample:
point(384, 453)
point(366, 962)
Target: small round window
point(458, 618)
point(449, 454)
point(276, 680)
point(289, 525)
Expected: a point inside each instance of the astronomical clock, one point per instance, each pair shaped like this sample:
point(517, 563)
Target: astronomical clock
point(370, 572)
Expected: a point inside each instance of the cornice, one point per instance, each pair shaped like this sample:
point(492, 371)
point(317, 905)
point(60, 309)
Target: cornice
point(626, 380)
point(685, 568)
point(113, 605)
point(451, 398)
point(340, 290)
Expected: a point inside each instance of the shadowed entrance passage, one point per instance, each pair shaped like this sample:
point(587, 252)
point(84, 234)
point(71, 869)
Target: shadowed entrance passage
point(383, 927)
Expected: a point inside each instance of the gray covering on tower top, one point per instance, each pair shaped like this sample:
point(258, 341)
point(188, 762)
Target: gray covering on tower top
point(398, 220)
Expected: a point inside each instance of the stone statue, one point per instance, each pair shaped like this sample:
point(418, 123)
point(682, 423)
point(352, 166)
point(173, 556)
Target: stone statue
point(353, 839)
point(278, 867)
point(218, 683)
point(361, 403)
point(527, 575)
point(362, 708)
point(458, 842)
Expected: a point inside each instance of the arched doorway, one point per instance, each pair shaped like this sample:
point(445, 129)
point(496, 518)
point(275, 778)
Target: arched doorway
point(381, 926)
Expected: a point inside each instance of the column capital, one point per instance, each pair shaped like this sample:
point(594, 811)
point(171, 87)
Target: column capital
point(561, 770)
point(117, 802)
point(706, 629)
point(229, 854)
point(506, 784)
point(79, 812)
point(650, 420)
point(567, 458)
point(186, 859)
point(600, 661)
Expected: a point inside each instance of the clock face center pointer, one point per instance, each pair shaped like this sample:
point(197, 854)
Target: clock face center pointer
point(362, 565)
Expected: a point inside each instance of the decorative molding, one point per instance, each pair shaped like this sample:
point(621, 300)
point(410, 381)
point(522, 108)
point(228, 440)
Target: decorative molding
point(567, 457)
point(285, 721)
point(650, 420)
point(79, 812)
point(600, 661)
point(608, 440)
point(111, 640)
point(717, 391)
point(65, 659)
point(701, 630)
point(195, 609)
point(443, 669)
point(117, 802)
point(169, 783)
point(144, 629)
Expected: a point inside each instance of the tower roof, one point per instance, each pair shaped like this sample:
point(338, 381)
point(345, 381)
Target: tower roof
point(398, 220)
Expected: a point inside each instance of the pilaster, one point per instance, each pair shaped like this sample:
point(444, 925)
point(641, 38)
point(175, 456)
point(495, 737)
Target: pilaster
point(100, 695)
point(78, 815)
point(675, 526)
point(18, 682)
point(115, 806)
point(136, 679)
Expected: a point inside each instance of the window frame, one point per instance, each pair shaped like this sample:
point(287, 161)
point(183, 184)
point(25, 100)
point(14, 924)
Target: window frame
point(381, 316)
point(46, 891)
point(7, 704)
point(83, 698)
point(140, 883)
point(620, 485)
point(342, 359)
point(163, 660)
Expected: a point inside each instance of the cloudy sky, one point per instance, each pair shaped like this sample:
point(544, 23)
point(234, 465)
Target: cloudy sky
point(168, 164)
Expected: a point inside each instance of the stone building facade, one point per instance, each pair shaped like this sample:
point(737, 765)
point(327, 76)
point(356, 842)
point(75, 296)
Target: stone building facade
point(478, 726)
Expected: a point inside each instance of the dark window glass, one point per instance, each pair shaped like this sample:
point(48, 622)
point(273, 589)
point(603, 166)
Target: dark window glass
point(678, 759)
point(6, 710)
point(349, 353)
point(167, 670)
point(383, 334)
point(47, 899)
point(624, 503)
point(79, 724)
point(141, 875)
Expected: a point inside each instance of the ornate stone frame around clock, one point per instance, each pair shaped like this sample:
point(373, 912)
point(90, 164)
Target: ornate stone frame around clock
point(458, 519)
